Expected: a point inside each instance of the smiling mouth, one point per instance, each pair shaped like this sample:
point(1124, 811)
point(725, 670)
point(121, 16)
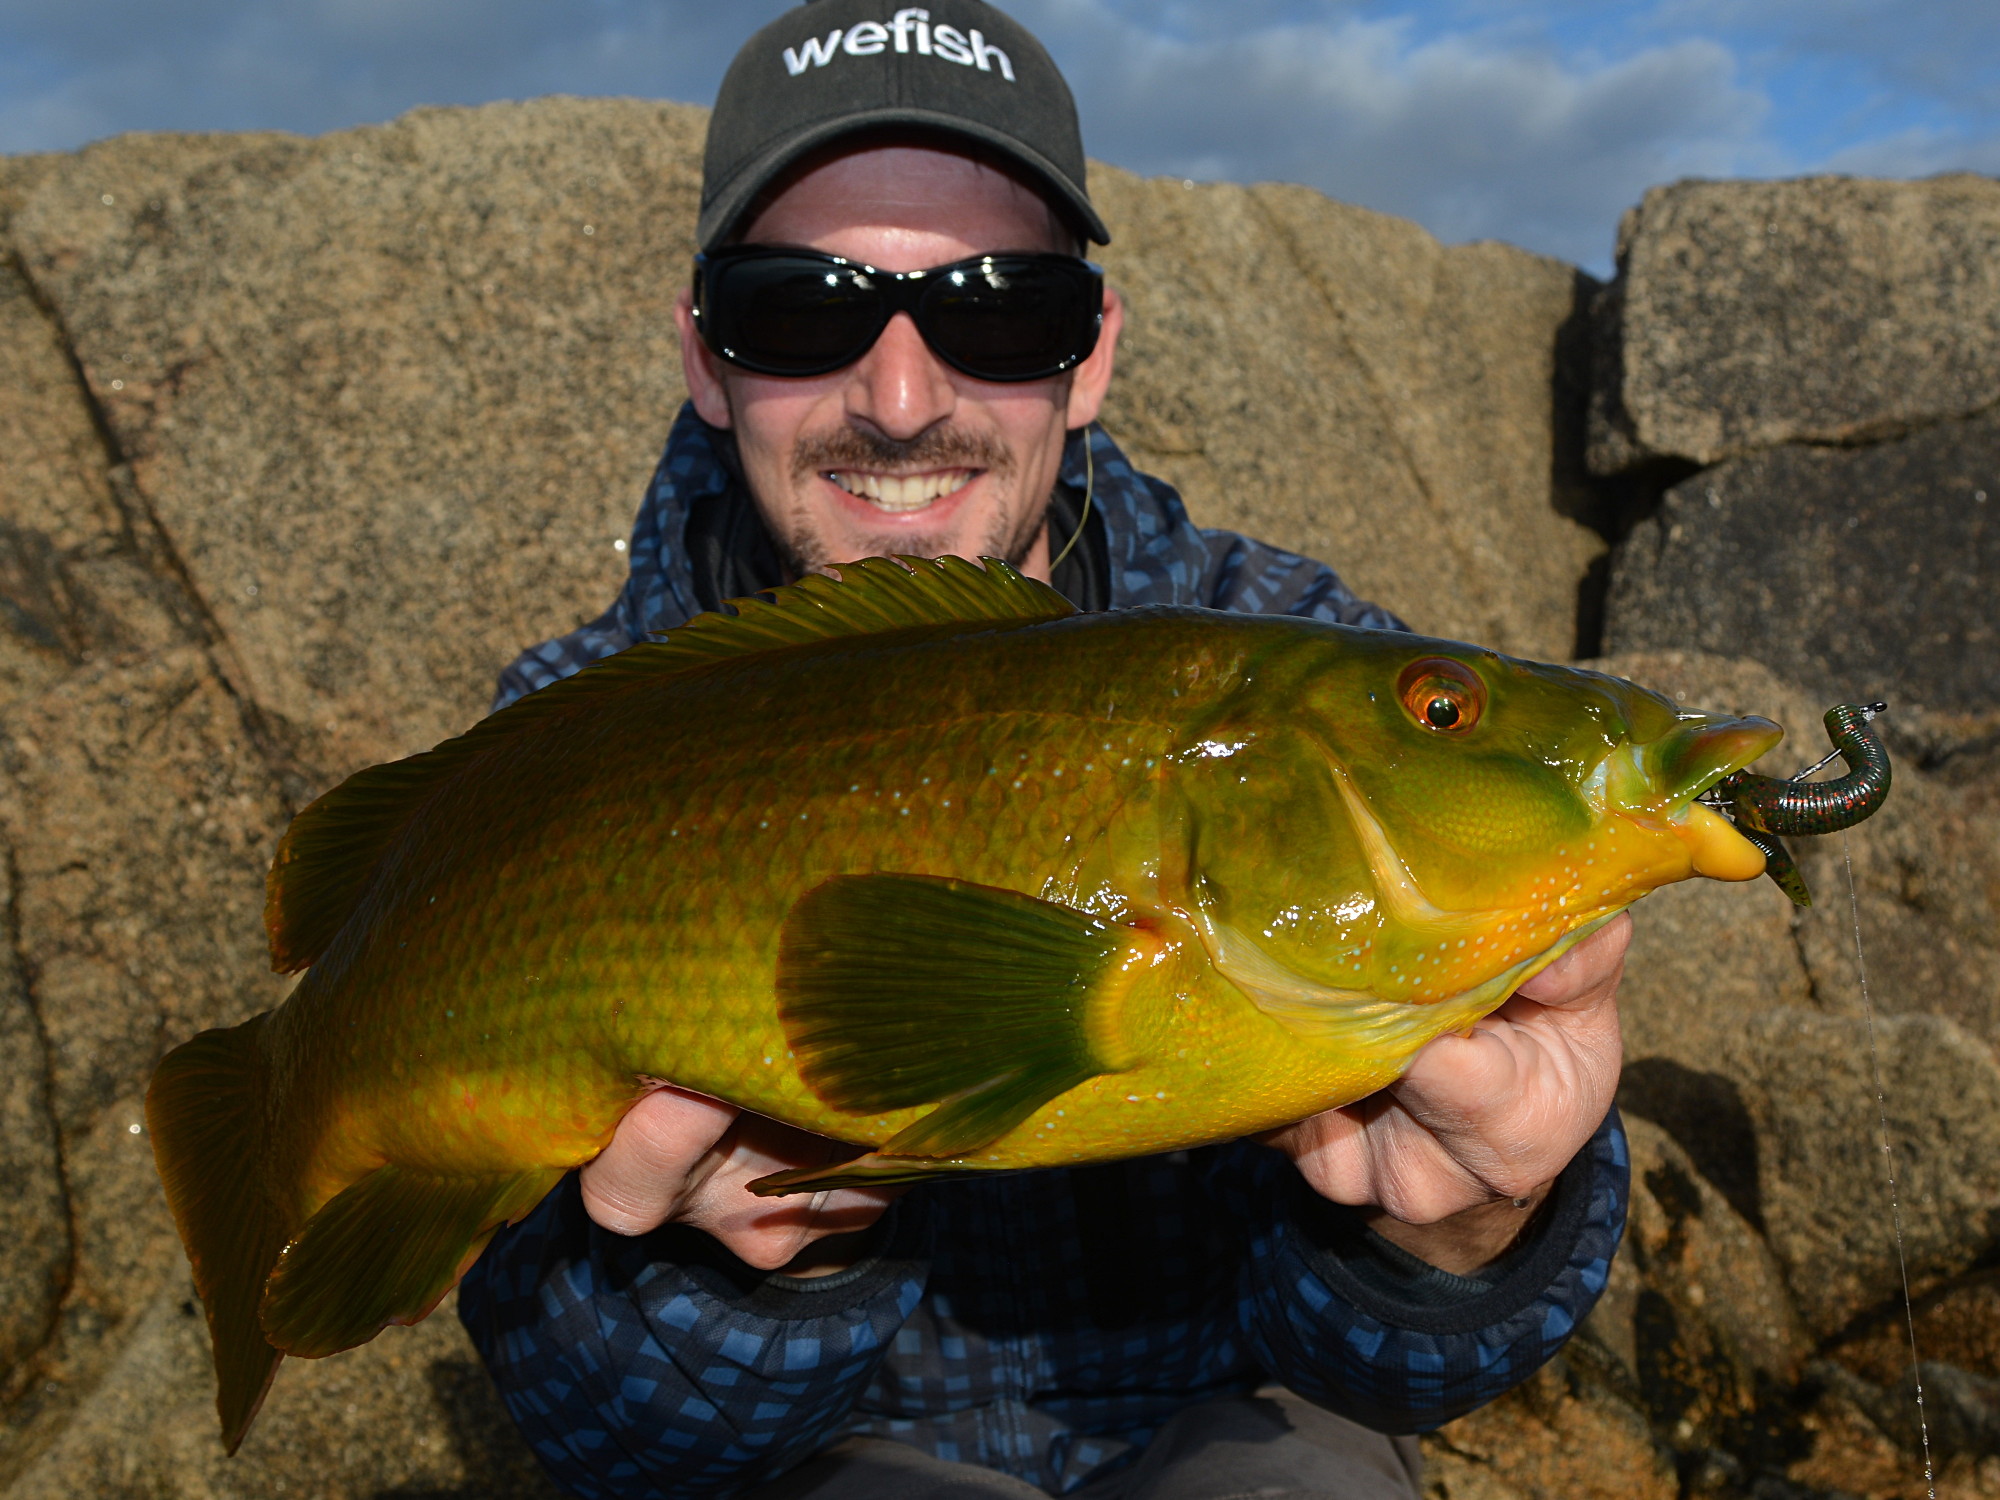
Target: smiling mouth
point(901, 492)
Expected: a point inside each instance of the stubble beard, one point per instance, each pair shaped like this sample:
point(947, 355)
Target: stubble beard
point(805, 547)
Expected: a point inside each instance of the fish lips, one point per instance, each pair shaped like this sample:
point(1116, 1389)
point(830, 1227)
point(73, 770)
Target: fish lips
point(1658, 781)
point(1695, 754)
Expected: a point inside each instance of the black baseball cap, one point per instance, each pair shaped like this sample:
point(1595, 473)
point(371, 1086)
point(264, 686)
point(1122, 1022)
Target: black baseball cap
point(833, 68)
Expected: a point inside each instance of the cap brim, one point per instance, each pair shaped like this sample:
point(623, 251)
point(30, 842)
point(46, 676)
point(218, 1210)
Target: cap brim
point(719, 216)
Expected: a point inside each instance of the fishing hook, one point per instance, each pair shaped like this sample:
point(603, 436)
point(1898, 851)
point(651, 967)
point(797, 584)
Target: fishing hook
point(1764, 807)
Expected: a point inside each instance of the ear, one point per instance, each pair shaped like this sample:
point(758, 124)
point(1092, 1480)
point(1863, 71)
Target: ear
point(699, 366)
point(1091, 378)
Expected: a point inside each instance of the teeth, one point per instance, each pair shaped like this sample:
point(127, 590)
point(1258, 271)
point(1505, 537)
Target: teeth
point(894, 492)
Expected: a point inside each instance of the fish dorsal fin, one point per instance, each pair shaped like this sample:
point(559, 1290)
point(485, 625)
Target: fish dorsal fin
point(874, 595)
point(327, 860)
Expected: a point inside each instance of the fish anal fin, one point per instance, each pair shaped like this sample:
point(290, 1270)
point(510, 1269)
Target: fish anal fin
point(205, 1117)
point(896, 990)
point(386, 1250)
point(328, 858)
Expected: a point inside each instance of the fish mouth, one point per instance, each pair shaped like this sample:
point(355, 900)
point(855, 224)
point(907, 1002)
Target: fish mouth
point(1657, 782)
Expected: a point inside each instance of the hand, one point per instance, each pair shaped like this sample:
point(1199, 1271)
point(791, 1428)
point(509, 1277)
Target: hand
point(1441, 1156)
point(687, 1159)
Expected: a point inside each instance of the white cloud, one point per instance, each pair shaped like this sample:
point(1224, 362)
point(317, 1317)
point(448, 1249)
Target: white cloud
point(1471, 137)
point(1944, 50)
point(69, 73)
point(1917, 152)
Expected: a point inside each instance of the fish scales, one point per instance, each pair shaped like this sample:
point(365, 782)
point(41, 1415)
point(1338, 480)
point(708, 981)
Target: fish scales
point(921, 861)
point(713, 844)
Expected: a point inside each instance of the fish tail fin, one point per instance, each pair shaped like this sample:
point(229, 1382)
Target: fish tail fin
point(205, 1112)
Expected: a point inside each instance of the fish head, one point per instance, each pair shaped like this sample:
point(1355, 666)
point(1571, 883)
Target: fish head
point(1412, 817)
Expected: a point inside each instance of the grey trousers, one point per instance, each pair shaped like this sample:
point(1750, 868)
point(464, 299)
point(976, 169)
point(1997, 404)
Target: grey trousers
point(1271, 1446)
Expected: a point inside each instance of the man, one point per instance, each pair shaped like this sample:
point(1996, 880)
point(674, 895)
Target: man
point(655, 1329)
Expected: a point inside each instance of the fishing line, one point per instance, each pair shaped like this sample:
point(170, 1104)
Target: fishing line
point(1889, 1162)
point(1089, 488)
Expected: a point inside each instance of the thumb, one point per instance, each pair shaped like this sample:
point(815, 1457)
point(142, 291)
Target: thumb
point(634, 1183)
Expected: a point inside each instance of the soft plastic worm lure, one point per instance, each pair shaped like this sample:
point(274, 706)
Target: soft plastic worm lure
point(1764, 807)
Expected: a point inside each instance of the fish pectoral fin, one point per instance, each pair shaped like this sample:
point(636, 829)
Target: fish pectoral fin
point(877, 1169)
point(898, 990)
point(386, 1250)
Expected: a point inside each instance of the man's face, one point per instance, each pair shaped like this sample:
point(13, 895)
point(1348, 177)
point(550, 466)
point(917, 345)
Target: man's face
point(899, 453)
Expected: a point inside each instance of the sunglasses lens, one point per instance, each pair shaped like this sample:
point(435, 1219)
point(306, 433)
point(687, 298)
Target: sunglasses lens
point(1011, 320)
point(791, 317)
point(996, 318)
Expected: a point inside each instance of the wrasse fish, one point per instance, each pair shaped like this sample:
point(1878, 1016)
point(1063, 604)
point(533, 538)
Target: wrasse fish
point(924, 861)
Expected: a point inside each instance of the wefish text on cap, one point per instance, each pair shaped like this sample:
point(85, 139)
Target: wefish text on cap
point(908, 30)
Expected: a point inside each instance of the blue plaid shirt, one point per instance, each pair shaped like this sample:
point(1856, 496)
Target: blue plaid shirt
point(1046, 1324)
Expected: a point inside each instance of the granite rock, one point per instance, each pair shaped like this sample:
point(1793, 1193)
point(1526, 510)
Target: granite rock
point(1859, 573)
point(1820, 309)
point(1571, 1431)
point(411, 1414)
point(1749, 1039)
point(1427, 461)
point(397, 440)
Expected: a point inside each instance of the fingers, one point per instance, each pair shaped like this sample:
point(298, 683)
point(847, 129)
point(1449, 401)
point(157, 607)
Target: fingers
point(636, 1182)
point(1589, 973)
point(771, 1233)
point(688, 1159)
point(1490, 1116)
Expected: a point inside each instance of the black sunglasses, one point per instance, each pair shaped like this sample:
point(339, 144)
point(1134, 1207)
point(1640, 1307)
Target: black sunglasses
point(993, 317)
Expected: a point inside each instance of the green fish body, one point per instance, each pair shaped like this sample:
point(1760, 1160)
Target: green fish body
point(922, 861)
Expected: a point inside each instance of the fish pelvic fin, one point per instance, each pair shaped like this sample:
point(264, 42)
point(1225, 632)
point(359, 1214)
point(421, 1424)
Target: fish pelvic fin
point(877, 1169)
point(205, 1112)
point(328, 858)
point(897, 990)
point(386, 1250)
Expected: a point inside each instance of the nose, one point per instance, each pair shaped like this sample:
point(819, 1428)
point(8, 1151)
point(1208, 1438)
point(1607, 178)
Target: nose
point(900, 387)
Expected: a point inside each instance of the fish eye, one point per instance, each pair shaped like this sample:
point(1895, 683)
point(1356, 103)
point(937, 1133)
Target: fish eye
point(1443, 695)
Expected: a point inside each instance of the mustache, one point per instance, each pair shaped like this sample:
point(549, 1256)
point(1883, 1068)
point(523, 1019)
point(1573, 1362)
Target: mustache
point(934, 448)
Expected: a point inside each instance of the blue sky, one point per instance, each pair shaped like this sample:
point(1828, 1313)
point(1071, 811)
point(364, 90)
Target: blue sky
point(1536, 123)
